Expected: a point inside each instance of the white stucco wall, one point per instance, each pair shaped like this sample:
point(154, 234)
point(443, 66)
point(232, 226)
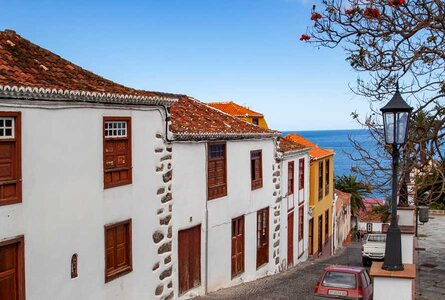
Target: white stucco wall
point(406, 217)
point(190, 193)
point(65, 206)
point(407, 240)
point(386, 288)
point(295, 200)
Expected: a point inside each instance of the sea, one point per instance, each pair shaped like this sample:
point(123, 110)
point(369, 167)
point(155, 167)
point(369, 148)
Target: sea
point(339, 141)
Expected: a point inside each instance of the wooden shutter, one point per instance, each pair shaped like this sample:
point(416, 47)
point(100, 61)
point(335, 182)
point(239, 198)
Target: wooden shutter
point(189, 258)
point(326, 226)
point(10, 158)
point(237, 246)
point(262, 237)
point(327, 181)
point(117, 250)
point(301, 173)
point(12, 270)
point(256, 169)
point(117, 151)
point(320, 180)
point(300, 223)
point(290, 178)
point(216, 169)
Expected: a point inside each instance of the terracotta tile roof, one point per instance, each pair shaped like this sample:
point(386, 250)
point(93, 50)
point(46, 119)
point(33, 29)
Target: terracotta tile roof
point(371, 217)
point(316, 152)
point(195, 120)
point(286, 146)
point(235, 109)
point(24, 64)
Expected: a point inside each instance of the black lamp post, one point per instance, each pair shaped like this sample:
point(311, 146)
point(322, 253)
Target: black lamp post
point(396, 115)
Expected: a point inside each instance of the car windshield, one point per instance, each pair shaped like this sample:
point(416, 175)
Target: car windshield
point(377, 238)
point(339, 280)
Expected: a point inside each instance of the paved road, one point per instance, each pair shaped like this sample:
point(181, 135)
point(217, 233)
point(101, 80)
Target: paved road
point(430, 283)
point(297, 283)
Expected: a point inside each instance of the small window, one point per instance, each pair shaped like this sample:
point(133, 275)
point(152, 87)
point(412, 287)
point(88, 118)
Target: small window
point(327, 170)
point(256, 169)
point(290, 178)
point(10, 158)
point(117, 151)
point(74, 273)
point(255, 121)
point(320, 180)
point(262, 253)
point(216, 169)
point(118, 257)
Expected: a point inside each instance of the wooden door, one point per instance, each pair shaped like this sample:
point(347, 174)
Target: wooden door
point(237, 246)
point(189, 255)
point(290, 238)
point(311, 237)
point(262, 254)
point(12, 270)
point(320, 234)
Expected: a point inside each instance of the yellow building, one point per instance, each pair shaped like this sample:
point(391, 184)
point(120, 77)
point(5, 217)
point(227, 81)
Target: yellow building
point(241, 112)
point(321, 197)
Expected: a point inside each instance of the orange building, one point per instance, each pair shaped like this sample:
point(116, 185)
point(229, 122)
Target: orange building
point(241, 112)
point(321, 196)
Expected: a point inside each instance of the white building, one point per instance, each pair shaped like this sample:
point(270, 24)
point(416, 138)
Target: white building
point(294, 201)
point(85, 173)
point(224, 215)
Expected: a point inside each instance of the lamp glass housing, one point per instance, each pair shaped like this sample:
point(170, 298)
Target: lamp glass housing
point(396, 125)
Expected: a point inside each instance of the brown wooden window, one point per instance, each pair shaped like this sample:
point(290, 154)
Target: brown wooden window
point(217, 172)
point(290, 178)
point(256, 169)
point(300, 223)
point(10, 158)
point(262, 251)
point(117, 151)
point(74, 273)
point(320, 180)
point(237, 246)
point(327, 170)
point(326, 226)
point(189, 258)
point(12, 269)
point(118, 257)
point(301, 174)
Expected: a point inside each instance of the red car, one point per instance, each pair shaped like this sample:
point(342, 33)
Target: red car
point(344, 282)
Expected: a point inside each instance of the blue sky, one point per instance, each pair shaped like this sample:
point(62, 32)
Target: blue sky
point(247, 51)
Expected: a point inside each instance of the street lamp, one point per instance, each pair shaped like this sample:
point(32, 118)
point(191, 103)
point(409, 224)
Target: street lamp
point(396, 115)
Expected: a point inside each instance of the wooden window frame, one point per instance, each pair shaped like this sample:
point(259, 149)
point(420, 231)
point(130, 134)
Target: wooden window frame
point(256, 183)
point(262, 232)
point(109, 276)
point(17, 139)
point(237, 220)
point(300, 223)
point(223, 186)
point(20, 240)
point(327, 176)
point(290, 177)
point(320, 180)
point(129, 180)
point(326, 226)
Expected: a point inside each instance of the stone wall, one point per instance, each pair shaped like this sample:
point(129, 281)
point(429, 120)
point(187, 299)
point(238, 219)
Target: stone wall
point(276, 214)
point(162, 237)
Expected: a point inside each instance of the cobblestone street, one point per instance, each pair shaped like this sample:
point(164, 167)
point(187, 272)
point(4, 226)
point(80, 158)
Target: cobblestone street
point(296, 283)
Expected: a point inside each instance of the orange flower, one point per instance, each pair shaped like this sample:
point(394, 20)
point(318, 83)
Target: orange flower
point(305, 37)
point(315, 16)
point(396, 2)
point(372, 13)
